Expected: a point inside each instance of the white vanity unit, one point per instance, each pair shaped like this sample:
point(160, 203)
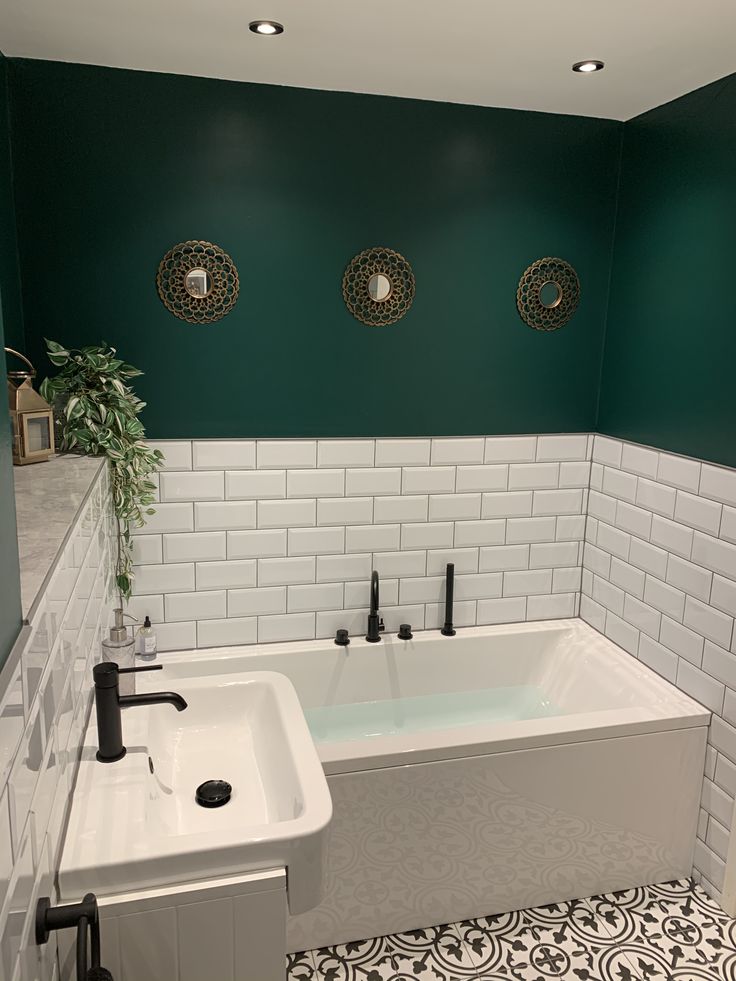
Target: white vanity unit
point(189, 892)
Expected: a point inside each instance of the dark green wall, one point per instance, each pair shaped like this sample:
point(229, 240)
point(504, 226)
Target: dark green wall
point(10, 330)
point(669, 373)
point(114, 167)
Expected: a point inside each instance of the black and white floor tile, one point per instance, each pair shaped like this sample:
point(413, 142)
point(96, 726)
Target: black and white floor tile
point(667, 932)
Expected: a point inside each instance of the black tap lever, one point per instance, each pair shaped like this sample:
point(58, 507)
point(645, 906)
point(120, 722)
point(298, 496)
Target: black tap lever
point(85, 917)
point(109, 702)
point(448, 630)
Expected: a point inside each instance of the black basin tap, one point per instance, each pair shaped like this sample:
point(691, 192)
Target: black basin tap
point(109, 702)
point(375, 623)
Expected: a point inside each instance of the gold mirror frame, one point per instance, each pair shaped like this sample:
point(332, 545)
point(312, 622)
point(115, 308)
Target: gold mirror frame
point(172, 275)
point(361, 269)
point(548, 316)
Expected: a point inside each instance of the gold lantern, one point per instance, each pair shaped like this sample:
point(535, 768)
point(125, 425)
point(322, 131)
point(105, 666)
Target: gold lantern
point(31, 416)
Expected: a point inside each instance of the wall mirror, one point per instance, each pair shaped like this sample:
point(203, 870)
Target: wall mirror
point(198, 282)
point(548, 294)
point(378, 287)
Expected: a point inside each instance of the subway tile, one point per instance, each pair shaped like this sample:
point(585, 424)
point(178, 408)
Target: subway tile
point(504, 558)
point(358, 594)
point(556, 606)
point(700, 686)
point(681, 640)
point(510, 449)
point(394, 616)
point(519, 531)
point(204, 605)
point(24, 774)
point(723, 595)
point(716, 802)
point(723, 737)
point(642, 616)
point(717, 838)
point(566, 580)
point(224, 454)
point(316, 541)
point(322, 596)
point(719, 484)
point(168, 518)
point(593, 613)
point(570, 527)
point(177, 453)
point(688, 577)
point(256, 544)
point(596, 476)
point(607, 451)
point(400, 564)
point(672, 536)
point(639, 460)
point(430, 535)
point(621, 485)
point(402, 452)
point(728, 525)
point(286, 454)
point(315, 483)
point(714, 554)
point(173, 577)
point(658, 658)
point(613, 540)
point(463, 614)
point(196, 547)
point(533, 476)
point(346, 453)
point(255, 485)
point(557, 502)
point(283, 628)
point(505, 610)
point(602, 506)
point(664, 598)
point(711, 623)
point(287, 514)
point(526, 582)
point(634, 520)
point(648, 557)
point(203, 485)
point(176, 636)
point(719, 663)
point(562, 447)
point(227, 633)
point(226, 575)
point(340, 568)
point(464, 559)
point(140, 607)
point(6, 851)
point(372, 538)
point(550, 555)
point(458, 451)
point(515, 504)
point(224, 515)
point(711, 866)
point(629, 579)
point(147, 549)
point(372, 483)
point(346, 510)
point(428, 480)
point(482, 478)
point(698, 512)
point(622, 633)
point(679, 471)
point(284, 572)
point(608, 595)
point(262, 601)
point(400, 509)
point(725, 774)
point(484, 585)
point(429, 589)
point(454, 507)
point(575, 474)
point(354, 621)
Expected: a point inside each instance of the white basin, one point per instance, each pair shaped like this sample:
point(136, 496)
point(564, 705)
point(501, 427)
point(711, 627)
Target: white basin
point(135, 824)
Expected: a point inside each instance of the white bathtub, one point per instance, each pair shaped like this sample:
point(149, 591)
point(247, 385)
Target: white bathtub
point(506, 767)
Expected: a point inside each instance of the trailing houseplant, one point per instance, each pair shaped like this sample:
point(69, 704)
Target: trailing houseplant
point(97, 414)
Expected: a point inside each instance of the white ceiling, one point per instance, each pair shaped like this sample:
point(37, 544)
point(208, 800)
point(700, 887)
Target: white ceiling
point(515, 53)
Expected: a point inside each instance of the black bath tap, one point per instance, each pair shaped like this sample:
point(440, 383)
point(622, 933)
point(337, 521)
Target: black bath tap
point(375, 623)
point(109, 702)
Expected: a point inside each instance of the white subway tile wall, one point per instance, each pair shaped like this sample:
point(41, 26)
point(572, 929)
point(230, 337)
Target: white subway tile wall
point(659, 579)
point(280, 536)
point(43, 715)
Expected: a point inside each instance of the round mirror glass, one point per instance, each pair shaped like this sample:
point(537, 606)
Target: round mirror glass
point(550, 294)
point(379, 287)
point(198, 282)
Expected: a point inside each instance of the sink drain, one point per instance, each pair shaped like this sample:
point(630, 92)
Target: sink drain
point(213, 793)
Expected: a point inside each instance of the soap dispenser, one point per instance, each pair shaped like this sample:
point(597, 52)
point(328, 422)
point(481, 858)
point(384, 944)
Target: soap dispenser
point(120, 648)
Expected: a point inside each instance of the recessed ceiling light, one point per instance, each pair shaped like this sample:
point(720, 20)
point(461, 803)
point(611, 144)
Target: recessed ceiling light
point(266, 27)
point(588, 66)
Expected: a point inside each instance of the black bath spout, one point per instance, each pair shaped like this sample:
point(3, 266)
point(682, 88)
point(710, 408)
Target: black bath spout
point(375, 623)
point(109, 702)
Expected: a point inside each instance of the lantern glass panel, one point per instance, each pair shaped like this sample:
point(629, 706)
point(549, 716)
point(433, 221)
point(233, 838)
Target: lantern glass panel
point(39, 434)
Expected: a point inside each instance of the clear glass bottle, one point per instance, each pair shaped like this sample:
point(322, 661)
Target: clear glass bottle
point(120, 648)
point(147, 643)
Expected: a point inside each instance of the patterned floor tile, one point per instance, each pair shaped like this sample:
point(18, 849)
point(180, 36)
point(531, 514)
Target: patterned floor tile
point(433, 954)
point(364, 960)
point(672, 931)
point(300, 967)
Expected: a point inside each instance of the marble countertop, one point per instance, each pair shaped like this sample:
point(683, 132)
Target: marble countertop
point(47, 499)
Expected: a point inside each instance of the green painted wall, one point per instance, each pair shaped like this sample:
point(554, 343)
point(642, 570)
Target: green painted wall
point(669, 373)
point(114, 167)
point(10, 327)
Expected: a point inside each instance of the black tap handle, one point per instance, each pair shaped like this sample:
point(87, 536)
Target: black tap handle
point(148, 667)
point(381, 624)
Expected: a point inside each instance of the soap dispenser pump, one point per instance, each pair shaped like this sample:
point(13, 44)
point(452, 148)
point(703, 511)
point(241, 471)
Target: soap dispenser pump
point(119, 647)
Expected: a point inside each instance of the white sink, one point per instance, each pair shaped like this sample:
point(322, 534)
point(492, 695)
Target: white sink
point(135, 824)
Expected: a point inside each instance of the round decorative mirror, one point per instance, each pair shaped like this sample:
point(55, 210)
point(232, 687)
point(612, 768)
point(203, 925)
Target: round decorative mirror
point(548, 294)
point(198, 282)
point(378, 287)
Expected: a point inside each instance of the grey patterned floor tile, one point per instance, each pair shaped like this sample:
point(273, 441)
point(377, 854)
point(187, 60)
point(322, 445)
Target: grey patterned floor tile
point(432, 954)
point(364, 960)
point(300, 967)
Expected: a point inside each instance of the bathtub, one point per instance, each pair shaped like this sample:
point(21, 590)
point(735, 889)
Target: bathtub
point(505, 767)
